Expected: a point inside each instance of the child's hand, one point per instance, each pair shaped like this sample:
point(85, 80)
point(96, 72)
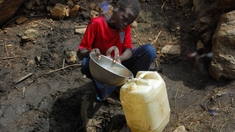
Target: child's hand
point(117, 59)
point(96, 51)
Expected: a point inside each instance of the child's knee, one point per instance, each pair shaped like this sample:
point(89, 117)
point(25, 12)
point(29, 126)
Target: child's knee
point(150, 50)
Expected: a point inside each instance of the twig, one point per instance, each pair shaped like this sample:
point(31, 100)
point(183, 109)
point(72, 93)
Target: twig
point(137, 37)
point(175, 98)
point(38, 22)
point(162, 6)
point(223, 125)
point(156, 38)
point(64, 68)
point(212, 125)
point(82, 26)
point(6, 58)
point(23, 92)
point(23, 78)
point(232, 102)
point(5, 48)
point(63, 63)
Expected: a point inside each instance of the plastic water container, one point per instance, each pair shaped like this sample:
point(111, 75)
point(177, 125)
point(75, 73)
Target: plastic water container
point(145, 102)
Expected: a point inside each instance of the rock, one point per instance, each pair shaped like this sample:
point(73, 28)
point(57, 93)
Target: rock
point(21, 20)
point(1, 112)
point(223, 43)
point(134, 24)
point(8, 8)
point(60, 11)
point(30, 35)
point(206, 37)
point(93, 14)
point(180, 129)
point(29, 5)
point(200, 45)
point(80, 30)
point(3, 87)
point(85, 14)
point(49, 8)
point(205, 20)
point(70, 4)
point(70, 56)
point(171, 49)
point(74, 11)
point(92, 6)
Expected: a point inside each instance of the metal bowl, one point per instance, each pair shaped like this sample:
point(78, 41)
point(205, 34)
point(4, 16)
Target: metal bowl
point(107, 72)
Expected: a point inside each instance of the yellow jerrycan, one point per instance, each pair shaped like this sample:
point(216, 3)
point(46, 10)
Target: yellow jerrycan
point(145, 102)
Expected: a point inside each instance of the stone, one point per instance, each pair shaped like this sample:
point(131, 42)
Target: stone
point(171, 49)
point(21, 19)
point(85, 14)
point(30, 35)
point(134, 24)
point(180, 129)
point(223, 45)
point(93, 14)
point(200, 45)
point(92, 6)
point(74, 11)
point(205, 20)
point(70, 4)
point(80, 30)
point(70, 57)
point(206, 37)
point(60, 11)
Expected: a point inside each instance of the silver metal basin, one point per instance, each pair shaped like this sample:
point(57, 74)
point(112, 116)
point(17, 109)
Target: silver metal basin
point(107, 72)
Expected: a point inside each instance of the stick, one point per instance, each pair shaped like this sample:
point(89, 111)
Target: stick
point(163, 6)
point(5, 48)
point(64, 68)
point(6, 58)
point(23, 78)
point(63, 63)
point(23, 92)
point(82, 26)
point(156, 38)
point(137, 37)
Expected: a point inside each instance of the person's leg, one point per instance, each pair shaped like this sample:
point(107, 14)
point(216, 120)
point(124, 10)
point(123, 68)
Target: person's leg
point(141, 58)
point(102, 91)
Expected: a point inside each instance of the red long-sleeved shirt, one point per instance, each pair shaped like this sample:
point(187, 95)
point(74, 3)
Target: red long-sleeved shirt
point(99, 35)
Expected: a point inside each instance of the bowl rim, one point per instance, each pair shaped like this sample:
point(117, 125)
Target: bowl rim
point(131, 75)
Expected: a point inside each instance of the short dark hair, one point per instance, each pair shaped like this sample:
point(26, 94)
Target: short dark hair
point(133, 4)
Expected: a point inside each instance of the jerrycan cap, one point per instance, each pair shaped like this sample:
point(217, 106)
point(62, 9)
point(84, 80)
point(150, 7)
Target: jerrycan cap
point(132, 86)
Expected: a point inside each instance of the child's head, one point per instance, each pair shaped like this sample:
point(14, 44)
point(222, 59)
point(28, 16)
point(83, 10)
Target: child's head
point(125, 12)
point(134, 5)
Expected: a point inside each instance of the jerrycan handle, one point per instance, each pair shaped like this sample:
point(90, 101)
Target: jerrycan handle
point(148, 75)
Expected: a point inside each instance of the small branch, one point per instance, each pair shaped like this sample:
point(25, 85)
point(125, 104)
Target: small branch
point(64, 68)
point(162, 6)
point(23, 92)
point(5, 48)
point(63, 63)
point(82, 26)
point(156, 37)
point(137, 37)
point(23, 78)
point(7, 58)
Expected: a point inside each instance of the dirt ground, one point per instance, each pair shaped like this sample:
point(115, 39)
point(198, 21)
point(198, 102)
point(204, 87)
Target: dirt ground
point(64, 101)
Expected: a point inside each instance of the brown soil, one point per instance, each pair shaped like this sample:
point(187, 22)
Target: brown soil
point(64, 101)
